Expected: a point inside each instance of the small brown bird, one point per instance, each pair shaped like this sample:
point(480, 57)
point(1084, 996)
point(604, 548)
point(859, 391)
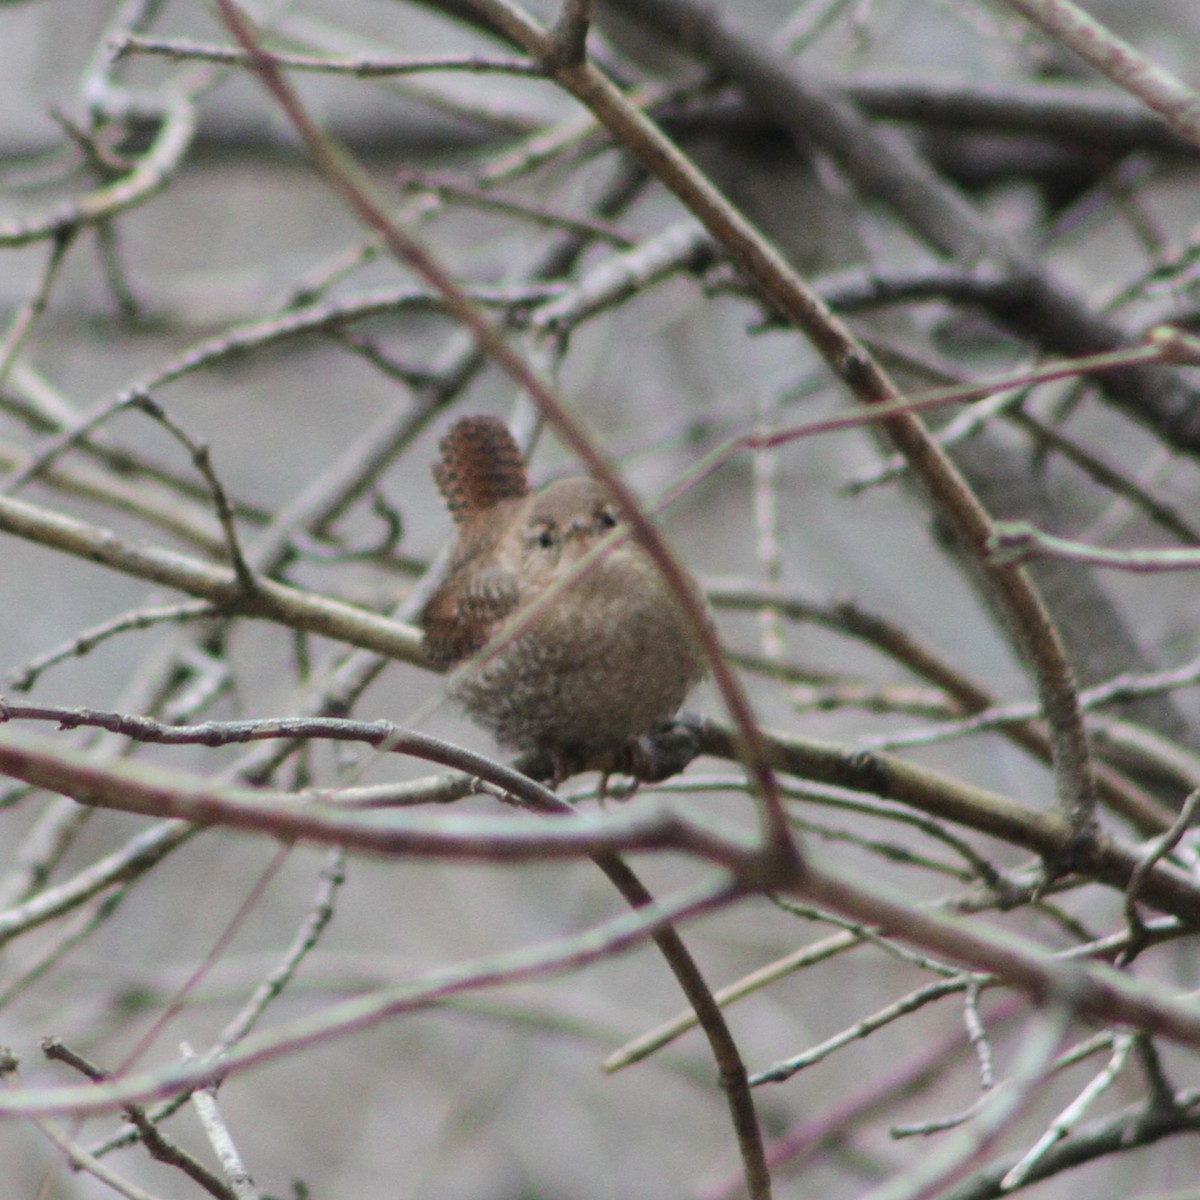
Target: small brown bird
point(606, 660)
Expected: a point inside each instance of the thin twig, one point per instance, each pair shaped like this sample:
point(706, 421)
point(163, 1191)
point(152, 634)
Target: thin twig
point(1112, 691)
point(1002, 1107)
point(1126, 66)
point(72, 1152)
point(241, 1185)
point(259, 335)
point(1070, 1116)
point(363, 66)
point(220, 586)
point(486, 201)
point(158, 1146)
point(153, 172)
point(1016, 541)
point(333, 875)
point(914, 1001)
point(600, 942)
point(29, 312)
point(202, 461)
point(1158, 850)
point(26, 674)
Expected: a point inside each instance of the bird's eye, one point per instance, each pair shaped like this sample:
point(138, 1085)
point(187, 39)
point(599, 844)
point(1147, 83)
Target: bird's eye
point(545, 539)
point(608, 518)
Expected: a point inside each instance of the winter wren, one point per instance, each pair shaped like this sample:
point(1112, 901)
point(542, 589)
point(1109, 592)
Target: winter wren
point(604, 661)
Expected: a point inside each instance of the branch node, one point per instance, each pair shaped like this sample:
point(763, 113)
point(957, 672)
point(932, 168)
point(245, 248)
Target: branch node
point(569, 36)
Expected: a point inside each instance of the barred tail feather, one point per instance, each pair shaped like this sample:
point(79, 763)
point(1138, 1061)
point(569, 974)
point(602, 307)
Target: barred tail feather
point(481, 465)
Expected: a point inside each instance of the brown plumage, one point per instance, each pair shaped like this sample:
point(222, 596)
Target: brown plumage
point(480, 465)
point(604, 661)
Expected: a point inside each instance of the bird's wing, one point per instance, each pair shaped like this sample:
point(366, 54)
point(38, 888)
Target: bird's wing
point(466, 610)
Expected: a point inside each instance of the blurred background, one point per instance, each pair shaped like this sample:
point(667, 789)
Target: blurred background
point(242, 295)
